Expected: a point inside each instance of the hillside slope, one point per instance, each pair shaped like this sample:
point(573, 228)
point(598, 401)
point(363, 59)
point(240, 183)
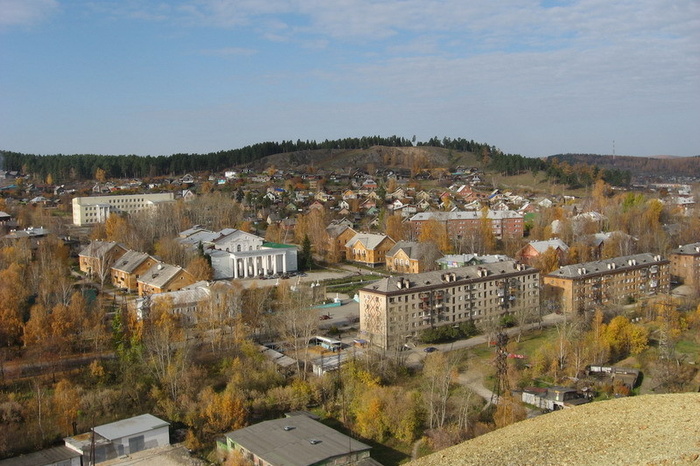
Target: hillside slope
point(422, 157)
point(648, 429)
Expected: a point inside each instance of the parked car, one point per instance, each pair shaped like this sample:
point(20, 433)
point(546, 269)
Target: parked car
point(430, 349)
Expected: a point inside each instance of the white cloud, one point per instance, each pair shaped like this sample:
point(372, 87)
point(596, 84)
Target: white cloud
point(25, 12)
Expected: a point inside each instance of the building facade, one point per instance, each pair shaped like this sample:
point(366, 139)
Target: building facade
point(162, 278)
point(368, 249)
point(129, 267)
point(96, 209)
point(396, 309)
point(586, 286)
point(412, 257)
point(504, 224)
point(96, 259)
point(685, 264)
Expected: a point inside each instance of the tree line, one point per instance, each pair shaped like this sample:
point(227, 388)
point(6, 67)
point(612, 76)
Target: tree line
point(62, 168)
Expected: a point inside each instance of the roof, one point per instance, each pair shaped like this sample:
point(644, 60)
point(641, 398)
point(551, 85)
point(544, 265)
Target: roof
point(468, 215)
point(457, 274)
point(692, 249)
point(276, 443)
point(602, 266)
point(414, 250)
point(160, 274)
point(542, 246)
point(43, 457)
point(368, 240)
point(131, 426)
point(98, 248)
point(130, 261)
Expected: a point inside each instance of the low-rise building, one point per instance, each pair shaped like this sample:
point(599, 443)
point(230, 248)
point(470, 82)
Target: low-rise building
point(395, 309)
point(129, 267)
point(504, 224)
point(368, 249)
point(162, 278)
point(412, 257)
point(685, 264)
point(96, 209)
point(57, 456)
point(534, 249)
point(586, 286)
point(110, 441)
point(97, 258)
point(296, 440)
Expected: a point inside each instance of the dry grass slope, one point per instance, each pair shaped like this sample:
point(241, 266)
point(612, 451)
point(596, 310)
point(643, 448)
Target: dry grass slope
point(642, 430)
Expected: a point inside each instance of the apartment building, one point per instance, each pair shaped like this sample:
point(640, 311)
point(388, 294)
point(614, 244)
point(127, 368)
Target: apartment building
point(685, 264)
point(396, 309)
point(587, 286)
point(96, 209)
point(504, 223)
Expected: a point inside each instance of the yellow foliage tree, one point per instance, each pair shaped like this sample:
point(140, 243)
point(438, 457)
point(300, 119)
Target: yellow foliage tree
point(432, 231)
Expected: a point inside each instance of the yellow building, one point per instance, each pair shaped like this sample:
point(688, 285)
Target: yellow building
point(587, 286)
point(412, 257)
point(368, 249)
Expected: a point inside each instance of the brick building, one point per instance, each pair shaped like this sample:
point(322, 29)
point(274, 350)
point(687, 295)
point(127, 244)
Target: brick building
point(395, 309)
point(504, 224)
point(586, 286)
point(685, 264)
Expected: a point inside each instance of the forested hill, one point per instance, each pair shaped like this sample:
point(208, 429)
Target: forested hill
point(661, 167)
point(394, 151)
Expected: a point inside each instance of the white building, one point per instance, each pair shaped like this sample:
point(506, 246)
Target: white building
point(121, 438)
point(96, 209)
point(237, 254)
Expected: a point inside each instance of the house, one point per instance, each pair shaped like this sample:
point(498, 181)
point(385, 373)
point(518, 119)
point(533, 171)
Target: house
point(531, 251)
point(586, 286)
point(163, 277)
point(129, 267)
point(296, 440)
point(412, 257)
point(121, 438)
point(339, 233)
point(685, 264)
point(553, 398)
point(187, 302)
point(97, 258)
point(369, 249)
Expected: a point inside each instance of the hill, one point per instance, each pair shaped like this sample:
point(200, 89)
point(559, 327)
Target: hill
point(408, 158)
point(662, 167)
point(648, 429)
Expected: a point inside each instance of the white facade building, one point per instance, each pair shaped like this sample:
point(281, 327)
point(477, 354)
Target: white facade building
point(96, 209)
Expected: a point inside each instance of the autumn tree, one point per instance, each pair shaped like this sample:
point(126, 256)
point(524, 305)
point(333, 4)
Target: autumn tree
point(394, 228)
point(432, 231)
point(13, 304)
point(297, 321)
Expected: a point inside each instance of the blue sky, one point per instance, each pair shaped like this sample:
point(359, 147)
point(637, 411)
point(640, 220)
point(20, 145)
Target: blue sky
point(535, 78)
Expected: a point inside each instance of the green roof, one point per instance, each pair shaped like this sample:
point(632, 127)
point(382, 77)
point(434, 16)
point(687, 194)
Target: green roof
point(276, 245)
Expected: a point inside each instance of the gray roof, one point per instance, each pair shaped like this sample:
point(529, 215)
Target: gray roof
point(276, 445)
point(429, 279)
point(466, 258)
point(98, 248)
point(413, 249)
point(160, 274)
point(602, 266)
point(370, 241)
point(468, 215)
point(131, 426)
point(130, 261)
point(543, 246)
point(692, 249)
point(44, 457)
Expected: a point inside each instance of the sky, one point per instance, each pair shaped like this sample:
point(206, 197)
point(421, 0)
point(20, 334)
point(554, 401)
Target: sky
point(194, 76)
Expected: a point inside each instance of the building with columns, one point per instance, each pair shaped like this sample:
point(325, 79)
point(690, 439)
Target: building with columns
point(238, 254)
